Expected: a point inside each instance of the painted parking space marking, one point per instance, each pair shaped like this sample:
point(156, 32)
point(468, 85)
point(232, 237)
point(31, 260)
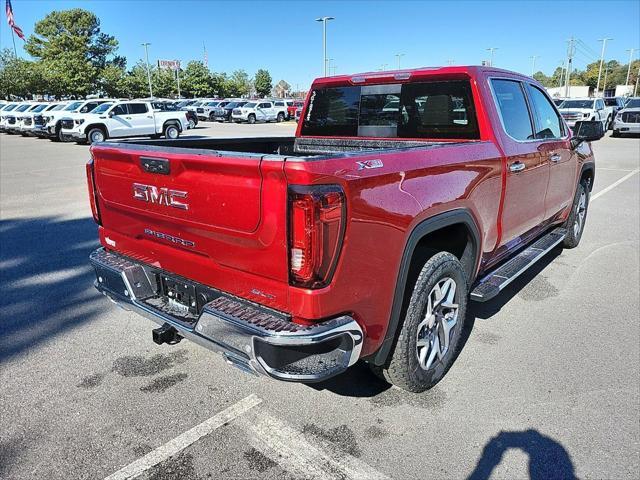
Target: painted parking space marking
point(614, 184)
point(172, 447)
point(292, 451)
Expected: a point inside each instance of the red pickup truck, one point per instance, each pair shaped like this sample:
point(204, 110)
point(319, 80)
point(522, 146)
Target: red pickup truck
point(403, 195)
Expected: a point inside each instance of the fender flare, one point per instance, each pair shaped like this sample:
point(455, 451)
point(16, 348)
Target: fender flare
point(588, 167)
point(421, 230)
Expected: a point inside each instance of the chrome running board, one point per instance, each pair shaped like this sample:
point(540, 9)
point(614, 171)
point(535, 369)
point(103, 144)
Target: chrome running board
point(493, 283)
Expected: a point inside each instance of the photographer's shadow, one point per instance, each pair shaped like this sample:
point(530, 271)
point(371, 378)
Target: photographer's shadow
point(548, 459)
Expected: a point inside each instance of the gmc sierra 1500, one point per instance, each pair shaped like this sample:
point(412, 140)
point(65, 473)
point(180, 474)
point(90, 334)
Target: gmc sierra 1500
point(402, 195)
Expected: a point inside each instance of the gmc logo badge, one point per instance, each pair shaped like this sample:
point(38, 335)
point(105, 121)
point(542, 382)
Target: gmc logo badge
point(160, 196)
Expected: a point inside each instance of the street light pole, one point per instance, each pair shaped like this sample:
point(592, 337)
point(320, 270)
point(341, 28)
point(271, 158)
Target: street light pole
point(491, 49)
point(604, 44)
point(631, 50)
point(399, 56)
point(324, 21)
point(146, 53)
point(533, 63)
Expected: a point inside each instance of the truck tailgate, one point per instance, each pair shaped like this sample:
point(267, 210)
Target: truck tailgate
point(198, 215)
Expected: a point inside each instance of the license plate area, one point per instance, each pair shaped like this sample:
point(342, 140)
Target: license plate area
point(180, 295)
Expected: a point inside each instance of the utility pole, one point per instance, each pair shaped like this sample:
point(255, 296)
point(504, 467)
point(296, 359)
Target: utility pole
point(146, 53)
point(491, 49)
point(324, 21)
point(635, 90)
point(570, 54)
point(604, 44)
point(399, 56)
point(561, 74)
point(631, 50)
point(533, 63)
point(329, 60)
point(178, 78)
point(606, 71)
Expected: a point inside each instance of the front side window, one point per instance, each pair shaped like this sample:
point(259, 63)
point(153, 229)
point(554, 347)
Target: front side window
point(137, 108)
point(599, 105)
point(547, 123)
point(103, 107)
point(513, 110)
point(89, 106)
point(120, 109)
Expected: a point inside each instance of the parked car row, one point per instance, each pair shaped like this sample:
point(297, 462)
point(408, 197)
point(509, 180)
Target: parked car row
point(237, 109)
point(95, 120)
point(605, 110)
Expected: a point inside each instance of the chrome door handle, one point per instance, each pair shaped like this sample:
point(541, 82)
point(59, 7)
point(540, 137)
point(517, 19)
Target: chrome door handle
point(555, 157)
point(149, 116)
point(128, 118)
point(517, 167)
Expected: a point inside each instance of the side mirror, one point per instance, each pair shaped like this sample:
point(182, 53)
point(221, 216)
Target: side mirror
point(587, 131)
point(111, 114)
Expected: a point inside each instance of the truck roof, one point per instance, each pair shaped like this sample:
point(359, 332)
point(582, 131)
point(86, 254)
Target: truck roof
point(407, 74)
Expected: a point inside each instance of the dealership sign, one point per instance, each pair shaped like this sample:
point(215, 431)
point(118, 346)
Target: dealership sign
point(169, 64)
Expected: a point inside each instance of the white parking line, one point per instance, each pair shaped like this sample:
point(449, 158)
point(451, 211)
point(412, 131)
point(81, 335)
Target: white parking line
point(182, 441)
point(293, 452)
point(614, 184)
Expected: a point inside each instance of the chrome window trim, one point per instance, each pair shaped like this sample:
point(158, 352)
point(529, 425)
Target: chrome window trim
point(526, 98)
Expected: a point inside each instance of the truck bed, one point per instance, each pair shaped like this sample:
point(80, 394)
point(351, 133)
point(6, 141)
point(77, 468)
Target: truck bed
point(284, 146)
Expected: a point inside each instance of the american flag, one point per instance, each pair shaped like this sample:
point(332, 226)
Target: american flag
point(11, 21)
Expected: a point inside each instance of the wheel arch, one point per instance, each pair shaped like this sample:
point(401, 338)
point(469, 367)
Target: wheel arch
point(101, 126)
point(172, 121)
point(426, 235)
point(588, 172)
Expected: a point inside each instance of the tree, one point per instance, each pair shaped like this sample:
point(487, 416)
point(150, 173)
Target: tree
point(71, 50)
point(113, 81)
point(238, 84)
point(262, 83)
point(543, 79)
point(196, 80)
point(136, 81)
point(20, 77)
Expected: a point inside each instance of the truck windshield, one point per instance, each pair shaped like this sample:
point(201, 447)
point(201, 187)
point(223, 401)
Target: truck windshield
point(39, 108)
point(577, 104)
point(72, 106)
point(435, 109)
point(103, 107)
point(632, 103)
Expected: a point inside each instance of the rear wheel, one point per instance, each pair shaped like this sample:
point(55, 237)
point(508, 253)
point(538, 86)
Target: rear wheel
point(212, 117)
point(192, 123)
point(615, 133)
point(171, 131)
point(280, 117)
point(251, 118)
point(429, 340)
point(578, 216)
point(96, 135)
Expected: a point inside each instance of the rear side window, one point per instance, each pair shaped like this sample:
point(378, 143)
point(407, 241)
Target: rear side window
point(137, 108)
point(513, 109)
point(442, 109)
point(548, 124)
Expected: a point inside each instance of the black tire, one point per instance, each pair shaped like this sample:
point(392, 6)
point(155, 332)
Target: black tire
point(578, 216)
point(212, 117)
point(280, 117)
point(251, 118)
point(404, 367)
point(192, 123)
point(58, 137)
point(171, 131)
point(615, 133)
point(95, 135)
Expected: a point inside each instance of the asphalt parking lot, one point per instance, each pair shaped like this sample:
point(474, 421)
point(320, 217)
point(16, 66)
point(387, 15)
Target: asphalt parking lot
point(548, 385)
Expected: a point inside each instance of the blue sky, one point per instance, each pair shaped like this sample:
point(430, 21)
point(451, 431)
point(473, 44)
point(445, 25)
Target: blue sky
point(283, 37)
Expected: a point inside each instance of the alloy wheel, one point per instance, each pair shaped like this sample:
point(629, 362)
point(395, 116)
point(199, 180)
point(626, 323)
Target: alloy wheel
point(581, 210)
point(440, 318)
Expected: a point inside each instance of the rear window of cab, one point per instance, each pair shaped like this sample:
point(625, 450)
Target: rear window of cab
point(435, 109)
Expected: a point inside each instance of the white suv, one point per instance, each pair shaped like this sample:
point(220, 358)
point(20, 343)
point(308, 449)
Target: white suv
point(259, 111)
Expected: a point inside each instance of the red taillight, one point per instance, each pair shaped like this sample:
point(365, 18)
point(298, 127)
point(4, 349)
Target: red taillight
point(316, 229)
point(93, 193)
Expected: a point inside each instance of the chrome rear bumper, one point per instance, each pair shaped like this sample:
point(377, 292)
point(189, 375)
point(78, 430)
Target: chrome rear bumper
point(251, 337)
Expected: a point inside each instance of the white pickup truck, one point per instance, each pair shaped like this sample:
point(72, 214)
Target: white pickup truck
point(586, 109)
point(123, 119)
point(259, 111)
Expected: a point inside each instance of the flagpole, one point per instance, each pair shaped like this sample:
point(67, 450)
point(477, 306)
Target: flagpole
point(13, 37)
